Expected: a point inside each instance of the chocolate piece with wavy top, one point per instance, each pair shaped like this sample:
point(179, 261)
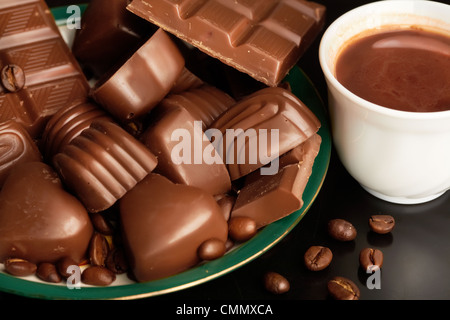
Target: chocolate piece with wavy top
point(257, 121)
point(102, 164)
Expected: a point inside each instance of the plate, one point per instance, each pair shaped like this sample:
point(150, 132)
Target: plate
point(265, 239)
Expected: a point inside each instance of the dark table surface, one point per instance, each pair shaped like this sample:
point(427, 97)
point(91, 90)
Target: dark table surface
point(416, 253)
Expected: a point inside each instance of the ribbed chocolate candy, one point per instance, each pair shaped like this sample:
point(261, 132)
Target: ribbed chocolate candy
point(103, 163)
point(267, 113)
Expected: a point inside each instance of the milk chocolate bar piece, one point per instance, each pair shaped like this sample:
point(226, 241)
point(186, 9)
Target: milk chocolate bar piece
point(164, 224)
point(102, 164)
point(262, 38)
point(273, 118)
point(143, 80)
point(180, 144)
point(39, 74)
point(16, 147)
point(67, 124)
point(269, 198)
point(109, 34)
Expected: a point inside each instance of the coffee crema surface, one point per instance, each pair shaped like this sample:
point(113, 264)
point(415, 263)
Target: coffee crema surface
point(404, 69)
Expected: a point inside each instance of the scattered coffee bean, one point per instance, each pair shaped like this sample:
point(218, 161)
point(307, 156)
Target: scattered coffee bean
point(341, 288)
point(12, 77)
point(116, 261)
point(63, 264)
point(276, 283)
point(98, 249)
point(341, 230)
point(101, 224)
point(19, 267)
point(381, 223)
point(318, 258)
point(47, 271)
point(97, 276)
point(211, 249)
point(241, 228)
point(368, 258)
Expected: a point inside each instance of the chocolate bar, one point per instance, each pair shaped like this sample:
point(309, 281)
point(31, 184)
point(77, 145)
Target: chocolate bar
point(39, 75)
point(262, 38)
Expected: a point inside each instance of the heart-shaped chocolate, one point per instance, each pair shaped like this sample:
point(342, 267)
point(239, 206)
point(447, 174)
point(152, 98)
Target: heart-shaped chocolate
point(165, 223)
point(39, 220)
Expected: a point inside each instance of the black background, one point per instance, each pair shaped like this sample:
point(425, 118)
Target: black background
point(416, 252)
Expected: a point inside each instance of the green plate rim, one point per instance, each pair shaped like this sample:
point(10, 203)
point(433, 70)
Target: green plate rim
point(266, 238)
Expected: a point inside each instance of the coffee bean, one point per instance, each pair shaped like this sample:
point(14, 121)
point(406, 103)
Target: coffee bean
point(276, 283)
point(98, 249)
point(63, 264)
point(47, 271)
point(381, 223)
point(19, 267)
point(116, 261)
point(368, 258)
point(211, 249)
point(97, 276)
point(341, 230)
point(241, 228)
point(318, 258)
point(12, 78)
point(341, 288)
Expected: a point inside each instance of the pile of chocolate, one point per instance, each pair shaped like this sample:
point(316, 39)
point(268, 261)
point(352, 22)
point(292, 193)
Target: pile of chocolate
point(88, 174)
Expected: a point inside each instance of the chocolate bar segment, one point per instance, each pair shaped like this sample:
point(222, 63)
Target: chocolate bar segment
point(39, 73)
point(268, 198)
point(261, 38)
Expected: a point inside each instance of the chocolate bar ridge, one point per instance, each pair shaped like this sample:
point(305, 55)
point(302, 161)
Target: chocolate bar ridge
point(261, 38)
point(31, 42)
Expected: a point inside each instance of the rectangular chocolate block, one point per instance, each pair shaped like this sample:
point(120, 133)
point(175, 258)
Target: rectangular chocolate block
point(39, 75)
point(261, 38)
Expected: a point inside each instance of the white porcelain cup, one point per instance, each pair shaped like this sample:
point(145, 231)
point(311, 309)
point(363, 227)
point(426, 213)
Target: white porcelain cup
point(401, 157)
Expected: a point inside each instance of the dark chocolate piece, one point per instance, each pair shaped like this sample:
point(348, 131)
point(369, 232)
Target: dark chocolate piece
point(164, 224)
point(102, 164)
point(143, 80)
point(271, 197)
point(67, 124)
point(108, 35)
point(177, 138)
point(262, 38)
point(39, 220)
point(39, 73)
point(262, 117)
point(16, 147)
